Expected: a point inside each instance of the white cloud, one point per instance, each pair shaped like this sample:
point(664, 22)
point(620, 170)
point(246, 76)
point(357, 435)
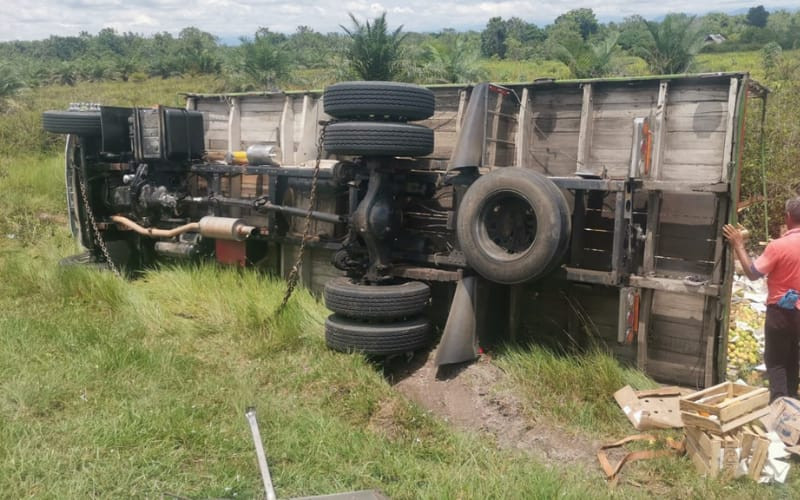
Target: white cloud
point(35, 19)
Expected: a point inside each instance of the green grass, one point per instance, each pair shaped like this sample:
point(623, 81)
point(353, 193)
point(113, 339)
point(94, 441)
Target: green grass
point(112, 388)
point(115, 388)
point(573, 390)
point(21, 123)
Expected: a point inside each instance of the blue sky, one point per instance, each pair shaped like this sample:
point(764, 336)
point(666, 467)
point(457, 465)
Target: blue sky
point(30, 20)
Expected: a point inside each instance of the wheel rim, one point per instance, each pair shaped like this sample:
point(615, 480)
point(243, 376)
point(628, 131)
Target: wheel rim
point(507, 226)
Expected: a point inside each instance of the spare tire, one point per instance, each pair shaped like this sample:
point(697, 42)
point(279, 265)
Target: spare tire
point(83, 123)
point(513, 225)
point(376, 302)
point(376, 339)
point(378, 100)
point(378, 139)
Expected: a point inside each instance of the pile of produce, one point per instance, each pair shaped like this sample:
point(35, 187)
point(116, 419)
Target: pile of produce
point(745, 343)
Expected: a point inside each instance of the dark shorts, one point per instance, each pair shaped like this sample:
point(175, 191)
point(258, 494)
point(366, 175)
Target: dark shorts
point(781, 336)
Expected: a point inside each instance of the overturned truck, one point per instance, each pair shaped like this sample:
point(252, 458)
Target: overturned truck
point(554, 211)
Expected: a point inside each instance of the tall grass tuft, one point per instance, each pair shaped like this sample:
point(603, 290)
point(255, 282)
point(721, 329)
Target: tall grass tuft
point(576, 389)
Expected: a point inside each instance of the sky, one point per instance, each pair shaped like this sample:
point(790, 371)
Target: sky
point(229, 19)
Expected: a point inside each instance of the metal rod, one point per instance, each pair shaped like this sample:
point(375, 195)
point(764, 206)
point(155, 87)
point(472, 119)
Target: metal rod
point(269, 207)
point(302, 212)
point(763, 160)
point(269, 490)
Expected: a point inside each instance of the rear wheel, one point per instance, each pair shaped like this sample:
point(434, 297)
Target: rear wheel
point(378, 100)
point(378, 139)
point(376, 339)
point(376, 302)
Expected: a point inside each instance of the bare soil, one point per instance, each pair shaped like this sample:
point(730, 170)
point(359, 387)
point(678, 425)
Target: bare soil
point(474, 397)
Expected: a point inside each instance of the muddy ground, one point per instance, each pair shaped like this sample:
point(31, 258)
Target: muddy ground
point(473, 397)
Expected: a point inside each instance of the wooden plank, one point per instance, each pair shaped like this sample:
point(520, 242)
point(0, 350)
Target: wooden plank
point(564, 98)
point(686, 248)
point(697, 459)
point(694, 92)
point(286, 136)
point(673, 285)
point(758, 458)
point(546, 123)
point(744, 403)
point(668, 371)
point(462, 104)
point(264, 105)
point(217, 144)
point(685, 208)
point(645, 308)
point(650, 243)
point(521, 139)
point(234, 125)
point(678, 305)
point(729, 129)
point(680, 269)
point(645, 97)
point(659, 131)
point(701, 118)
point(235, 144)
point(677, 153)
point(585, 133)
point(714, 426)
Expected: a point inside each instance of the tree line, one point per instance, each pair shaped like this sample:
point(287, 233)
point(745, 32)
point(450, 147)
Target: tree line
point(374, 50)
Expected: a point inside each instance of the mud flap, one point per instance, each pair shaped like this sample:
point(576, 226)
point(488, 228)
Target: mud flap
point(460, 338)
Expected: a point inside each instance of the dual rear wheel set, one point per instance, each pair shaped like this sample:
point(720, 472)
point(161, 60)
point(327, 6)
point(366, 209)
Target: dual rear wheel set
point(513, 224)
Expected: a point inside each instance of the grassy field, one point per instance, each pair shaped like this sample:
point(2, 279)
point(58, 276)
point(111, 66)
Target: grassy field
point(113, 388)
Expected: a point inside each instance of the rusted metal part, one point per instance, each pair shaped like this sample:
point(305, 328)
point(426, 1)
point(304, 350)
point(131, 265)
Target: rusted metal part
point(426, 273)
point(225, 228)
point(231, 252)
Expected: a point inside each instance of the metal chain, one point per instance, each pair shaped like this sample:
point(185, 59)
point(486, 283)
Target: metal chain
point(312, 199)
point(96, 233)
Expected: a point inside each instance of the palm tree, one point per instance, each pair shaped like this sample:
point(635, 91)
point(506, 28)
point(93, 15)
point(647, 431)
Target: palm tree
point(586, 60)
point(264, 60)
point(453, 59)
point(373, 53)
point(10, 84)
point(675, 42)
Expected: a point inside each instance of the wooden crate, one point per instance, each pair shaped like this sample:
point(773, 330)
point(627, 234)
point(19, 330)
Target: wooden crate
point(719, 456)
point(724, 408)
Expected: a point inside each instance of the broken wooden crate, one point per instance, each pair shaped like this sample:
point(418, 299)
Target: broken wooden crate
point(719, 433)
point(724, 408)
point(719, 456)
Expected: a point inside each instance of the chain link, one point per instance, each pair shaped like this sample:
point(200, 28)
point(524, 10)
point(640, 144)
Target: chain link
point(96, 233)
point(294, 273)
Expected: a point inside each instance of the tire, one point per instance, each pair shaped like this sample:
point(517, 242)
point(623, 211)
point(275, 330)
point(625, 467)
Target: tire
point(566, 223)
point(370, 100)
point(378, 139)
point(83, 123)
point(376, 339)
point(377, 303)
point(513, 225)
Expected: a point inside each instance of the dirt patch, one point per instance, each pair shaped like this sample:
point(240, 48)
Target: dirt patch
point(472, 397)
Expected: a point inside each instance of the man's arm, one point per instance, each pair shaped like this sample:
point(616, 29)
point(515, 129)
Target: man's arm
point(736, 239)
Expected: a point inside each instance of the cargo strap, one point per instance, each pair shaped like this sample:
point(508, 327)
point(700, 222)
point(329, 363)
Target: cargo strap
point(612, 472)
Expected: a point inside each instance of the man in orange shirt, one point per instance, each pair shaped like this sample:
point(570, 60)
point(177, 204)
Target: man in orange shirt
point(780, 263)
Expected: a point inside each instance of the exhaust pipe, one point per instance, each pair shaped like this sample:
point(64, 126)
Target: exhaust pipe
point(220, 228)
